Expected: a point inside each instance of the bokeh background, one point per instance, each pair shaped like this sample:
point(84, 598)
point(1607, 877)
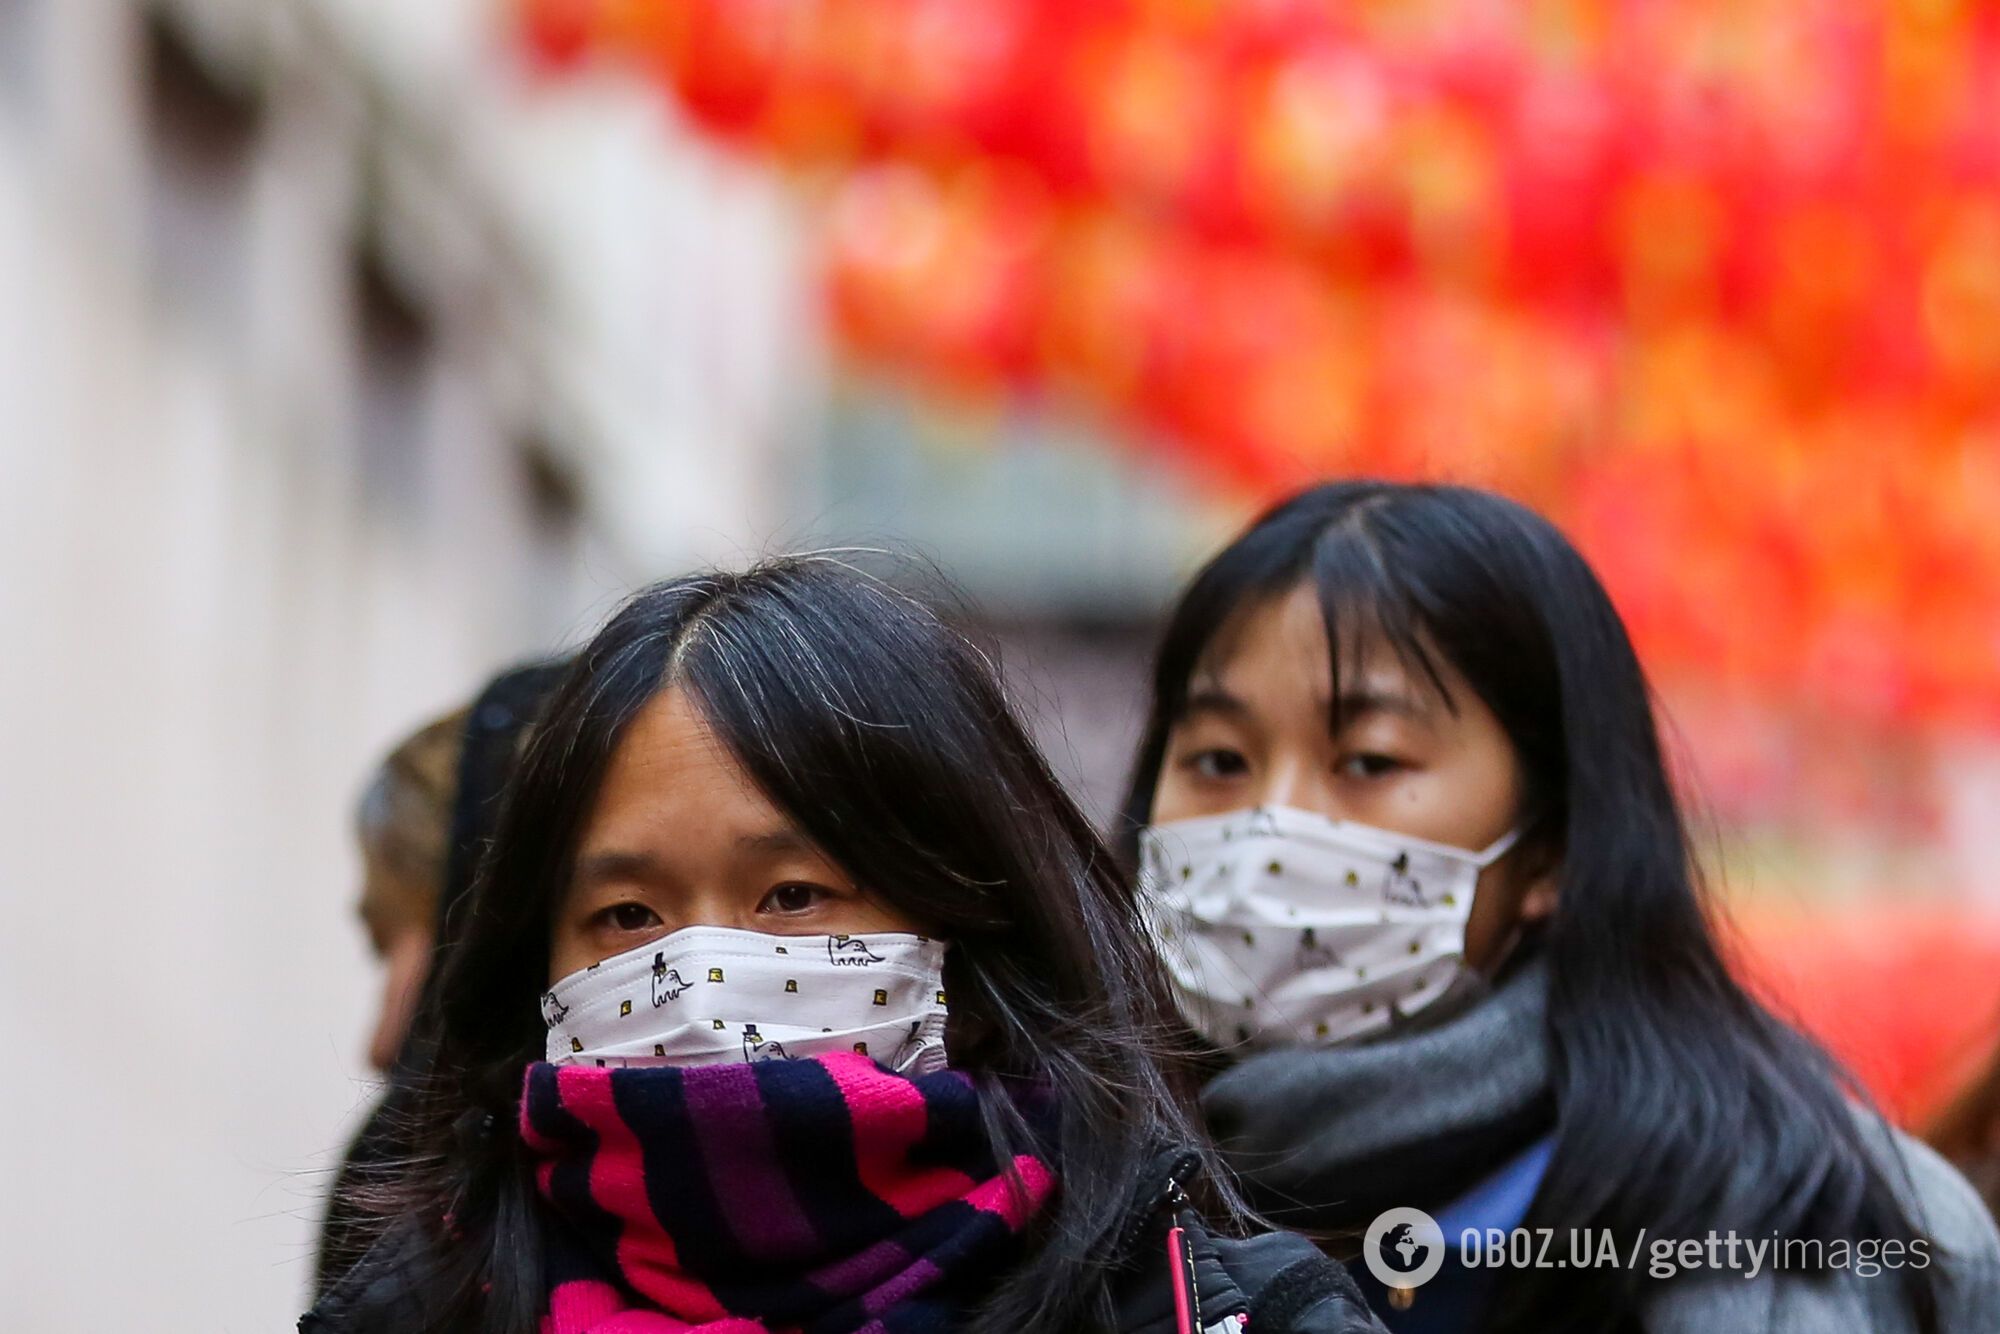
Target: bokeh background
point(350, 351)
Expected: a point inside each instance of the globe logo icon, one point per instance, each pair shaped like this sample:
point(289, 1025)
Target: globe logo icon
point(1403, 1248)
point(1403, 1241)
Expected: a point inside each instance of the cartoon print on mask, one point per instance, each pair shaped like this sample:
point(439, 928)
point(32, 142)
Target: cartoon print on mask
point(850, 952)
point(757, 1047)
point(1400, 887)
point(608, 1018)
point(1262, 823)
point(668, 984)
point(1312, 952)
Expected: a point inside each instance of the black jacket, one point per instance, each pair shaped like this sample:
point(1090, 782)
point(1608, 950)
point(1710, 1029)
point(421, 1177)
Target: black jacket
point(1273, 1283)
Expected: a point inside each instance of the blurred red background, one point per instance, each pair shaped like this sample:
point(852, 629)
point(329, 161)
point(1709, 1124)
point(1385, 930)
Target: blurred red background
point(1715, 284)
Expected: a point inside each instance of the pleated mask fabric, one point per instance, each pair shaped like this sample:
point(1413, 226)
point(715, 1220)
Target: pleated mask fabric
point(711, 995)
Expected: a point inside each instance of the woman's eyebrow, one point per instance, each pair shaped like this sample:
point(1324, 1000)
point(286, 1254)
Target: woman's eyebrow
point(1359, 703)
point(775, 840)
point(1213, 699)
point(617, 864)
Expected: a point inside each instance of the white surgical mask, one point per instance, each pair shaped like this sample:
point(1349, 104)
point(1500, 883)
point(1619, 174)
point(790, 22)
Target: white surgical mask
point(1281, 927)
point(710, 995)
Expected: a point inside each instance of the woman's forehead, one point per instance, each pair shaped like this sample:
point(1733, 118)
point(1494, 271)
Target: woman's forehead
point(1280, 643)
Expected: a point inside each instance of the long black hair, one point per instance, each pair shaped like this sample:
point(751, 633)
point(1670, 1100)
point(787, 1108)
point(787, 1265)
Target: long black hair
point(1682, 1104)
point(883, 734)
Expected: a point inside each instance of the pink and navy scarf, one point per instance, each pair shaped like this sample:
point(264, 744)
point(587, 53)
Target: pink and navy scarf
point(825, 1195)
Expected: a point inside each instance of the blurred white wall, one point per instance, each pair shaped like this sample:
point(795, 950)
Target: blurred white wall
point(304, 430)
point(341, 364)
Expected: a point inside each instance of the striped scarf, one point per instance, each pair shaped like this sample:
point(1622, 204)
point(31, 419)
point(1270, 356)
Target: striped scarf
point(825, 1195)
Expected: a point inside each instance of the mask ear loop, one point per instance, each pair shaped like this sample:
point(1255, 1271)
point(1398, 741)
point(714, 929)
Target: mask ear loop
point(1499, 848)
point(1508, 841)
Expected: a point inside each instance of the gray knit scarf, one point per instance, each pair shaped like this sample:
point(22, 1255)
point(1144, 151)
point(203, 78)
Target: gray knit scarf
point(1326, 1138)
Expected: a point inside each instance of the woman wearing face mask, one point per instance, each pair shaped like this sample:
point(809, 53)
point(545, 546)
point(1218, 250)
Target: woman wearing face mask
point(1422, 881)
point(795, 995)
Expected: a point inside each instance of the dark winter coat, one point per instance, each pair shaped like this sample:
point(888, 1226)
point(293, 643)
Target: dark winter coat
point(1273, 1283)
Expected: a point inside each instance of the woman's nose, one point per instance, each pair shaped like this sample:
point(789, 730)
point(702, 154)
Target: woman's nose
point(711, 905)
point(1298, 782)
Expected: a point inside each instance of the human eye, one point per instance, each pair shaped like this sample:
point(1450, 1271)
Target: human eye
point(1216, 762)
point(794, 897)
point(1368, 764)
point(630, 915)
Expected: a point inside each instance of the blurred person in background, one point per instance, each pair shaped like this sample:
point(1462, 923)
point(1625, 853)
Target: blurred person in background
point(694, 1065)
point(423, 822)
point(403, 824)
point(1967, 1131)
point(1424, 885)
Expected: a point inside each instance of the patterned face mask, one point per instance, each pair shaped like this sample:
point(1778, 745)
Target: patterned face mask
point(1282, 927)
point(710, 995)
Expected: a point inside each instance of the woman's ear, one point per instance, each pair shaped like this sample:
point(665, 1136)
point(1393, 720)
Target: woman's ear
point(1543, 873)
point(1512, 898)
point(1538, 904)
